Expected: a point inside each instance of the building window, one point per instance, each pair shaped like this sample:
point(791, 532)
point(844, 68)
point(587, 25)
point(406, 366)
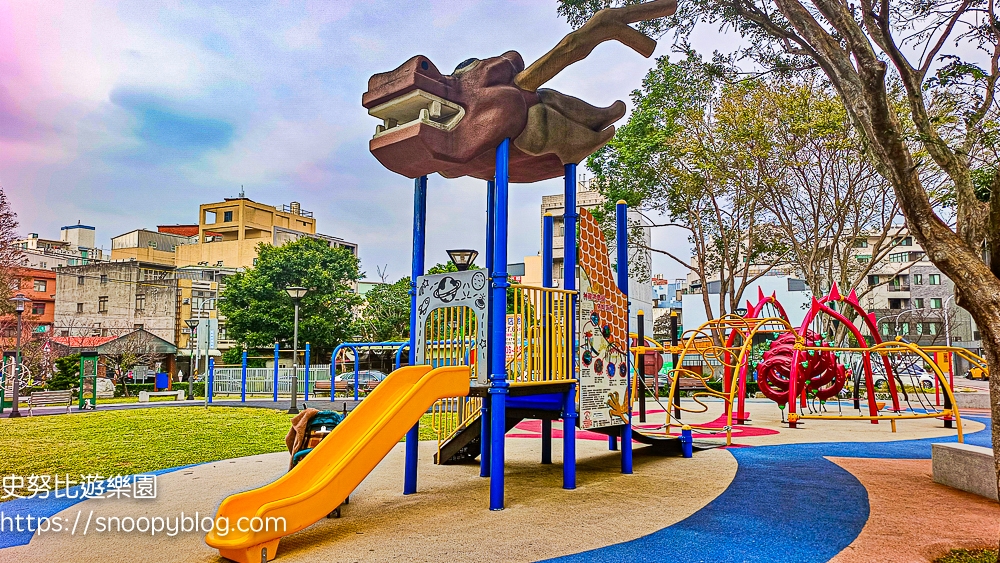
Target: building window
point(38, 308)
point(899, 257)
point(210, 217)
point(227, 217)
point(152, 244)
point(932, 328)
point(79, 307)
point(885, 329)
point(935, 303)
point(934, 279)
point(918, 279)
point(254, 261)
point(104, 278)
point(905, 328)
point(40, 285)
point(863, 258)
point(140, 302)
point(43, 265)
point(796, 285)
point(137, 327)
point(918, 303)
point(872, 280)
point(102, 304)
point(860, 243)
point(79, 280)
point(903, 241)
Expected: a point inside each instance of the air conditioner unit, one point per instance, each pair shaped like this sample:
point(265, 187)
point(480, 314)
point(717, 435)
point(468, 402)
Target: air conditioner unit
point(186, 301)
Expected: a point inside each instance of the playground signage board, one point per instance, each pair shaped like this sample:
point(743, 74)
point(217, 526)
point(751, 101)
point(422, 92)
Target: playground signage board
point(454, 289)
point(602, 334)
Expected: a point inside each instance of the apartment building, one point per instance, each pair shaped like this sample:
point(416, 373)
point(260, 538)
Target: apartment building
point(229, 232)
point(115, 298)
point(39, 315)
point(149, 247)
point(76, 246)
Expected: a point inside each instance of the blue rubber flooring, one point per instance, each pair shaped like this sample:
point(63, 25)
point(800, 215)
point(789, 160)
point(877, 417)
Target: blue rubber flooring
point(786, 503)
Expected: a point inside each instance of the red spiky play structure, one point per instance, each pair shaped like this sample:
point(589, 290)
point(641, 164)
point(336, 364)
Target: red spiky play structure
point(789, 371)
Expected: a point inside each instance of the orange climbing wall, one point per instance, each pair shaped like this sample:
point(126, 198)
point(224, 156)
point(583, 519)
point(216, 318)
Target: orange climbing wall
point(594, 259)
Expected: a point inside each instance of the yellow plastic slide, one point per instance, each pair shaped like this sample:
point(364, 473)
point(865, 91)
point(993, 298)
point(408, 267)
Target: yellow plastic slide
point(323, 479)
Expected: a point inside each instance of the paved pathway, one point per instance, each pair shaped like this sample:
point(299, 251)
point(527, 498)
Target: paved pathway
point(786, 503)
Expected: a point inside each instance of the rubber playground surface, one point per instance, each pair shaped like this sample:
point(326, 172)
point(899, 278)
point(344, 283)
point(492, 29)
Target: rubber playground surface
point(844, 491)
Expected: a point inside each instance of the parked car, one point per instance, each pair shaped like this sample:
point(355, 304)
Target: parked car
point(978, 373)
point(909, 374)
point(367, 380)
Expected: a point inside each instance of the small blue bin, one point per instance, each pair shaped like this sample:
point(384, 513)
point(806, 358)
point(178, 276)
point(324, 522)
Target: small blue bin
point(162, 380)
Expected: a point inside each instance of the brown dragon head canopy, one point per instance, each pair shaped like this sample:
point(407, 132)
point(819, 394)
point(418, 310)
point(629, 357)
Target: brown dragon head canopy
point(451, 124)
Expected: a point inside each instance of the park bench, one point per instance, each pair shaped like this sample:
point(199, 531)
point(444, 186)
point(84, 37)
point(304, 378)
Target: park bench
point(340, 387)
point(42, 398)
point(145, 395)
point(690, 384)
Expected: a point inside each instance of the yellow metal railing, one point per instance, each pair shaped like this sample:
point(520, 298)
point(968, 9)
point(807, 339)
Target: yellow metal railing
point(450, 416)
point(541, 334)
point(450, 340)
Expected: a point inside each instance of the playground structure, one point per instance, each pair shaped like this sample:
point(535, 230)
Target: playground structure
point(572, 354)
point(804, 372)
point(488, 120)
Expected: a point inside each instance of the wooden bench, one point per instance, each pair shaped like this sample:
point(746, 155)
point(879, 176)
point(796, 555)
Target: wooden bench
point(690, 384)
point(339, 387)
point(145, 395)
point(41, 398)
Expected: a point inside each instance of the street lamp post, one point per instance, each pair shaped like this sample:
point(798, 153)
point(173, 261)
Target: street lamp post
point(462, 258)
point(19, 301)
point(193, 325)
point(296, 293)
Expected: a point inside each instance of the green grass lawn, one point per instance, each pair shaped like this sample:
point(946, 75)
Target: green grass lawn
point(969, 556)
point(125, 442)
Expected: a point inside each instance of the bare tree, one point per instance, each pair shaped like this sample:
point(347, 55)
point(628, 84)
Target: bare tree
point(11, 255)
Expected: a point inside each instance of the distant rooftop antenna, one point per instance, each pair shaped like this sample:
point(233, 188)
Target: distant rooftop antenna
point(242, 193)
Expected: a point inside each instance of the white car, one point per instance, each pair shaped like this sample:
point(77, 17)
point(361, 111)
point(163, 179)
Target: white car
point(909, 375)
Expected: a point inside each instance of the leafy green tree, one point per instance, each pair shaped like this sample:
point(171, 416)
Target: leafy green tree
point(448, 266)
point(67, 373)
point(385, 315)
point(259, 312)
point(873, 53)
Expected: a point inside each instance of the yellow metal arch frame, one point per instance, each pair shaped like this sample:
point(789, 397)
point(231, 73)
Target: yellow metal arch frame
point(885, 348)
point(702, 341)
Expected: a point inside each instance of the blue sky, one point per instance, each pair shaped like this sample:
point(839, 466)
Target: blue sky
point(128, 115)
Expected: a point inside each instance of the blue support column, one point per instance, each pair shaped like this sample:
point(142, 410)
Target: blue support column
point(210, 384)
point(547, 228)
point(484, 414)
point(417, 270)
point(276, 348)
point(305, 391)
point(243, 379)
point(498, 337)
point(569, 283)
point(357, 370)
point(621, 241)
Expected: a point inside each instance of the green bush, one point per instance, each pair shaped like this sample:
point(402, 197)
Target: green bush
point(67, 373)
point(969, 556)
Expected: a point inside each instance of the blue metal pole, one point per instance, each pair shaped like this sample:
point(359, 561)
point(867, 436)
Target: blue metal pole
point(357, 367)
point(417, 270)
point(621, 241)
point(498, 338)
point(305, 391)
point(243, 377)
point(276, 348)
point(484, 414)
point(547, 235)
point(210, 390)
point(569, 283)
